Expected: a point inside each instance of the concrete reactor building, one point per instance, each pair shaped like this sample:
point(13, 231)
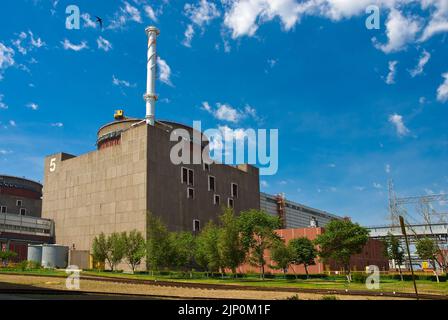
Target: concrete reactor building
point(131, 174)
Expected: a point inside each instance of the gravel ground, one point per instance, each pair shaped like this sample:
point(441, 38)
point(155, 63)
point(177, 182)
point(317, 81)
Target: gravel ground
point(31, 282)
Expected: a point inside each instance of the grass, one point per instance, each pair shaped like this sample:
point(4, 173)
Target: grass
point(386, 285)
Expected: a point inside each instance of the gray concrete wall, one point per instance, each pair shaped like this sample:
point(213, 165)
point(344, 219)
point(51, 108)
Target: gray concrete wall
point(167, 196)
point(101, 191)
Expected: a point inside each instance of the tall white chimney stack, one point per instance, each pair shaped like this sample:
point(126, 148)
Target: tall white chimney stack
point(150, 95)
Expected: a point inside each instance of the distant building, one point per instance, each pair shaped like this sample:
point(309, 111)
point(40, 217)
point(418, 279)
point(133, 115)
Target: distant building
point(20, 215)
point(292, 214)
point(372, 254)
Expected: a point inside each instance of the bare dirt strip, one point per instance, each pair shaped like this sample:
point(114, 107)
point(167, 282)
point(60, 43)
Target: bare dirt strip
point(26, 284)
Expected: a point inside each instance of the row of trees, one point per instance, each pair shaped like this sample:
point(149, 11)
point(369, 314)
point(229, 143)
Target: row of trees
point(426, 249)
point(231, 242)
point(118, 247)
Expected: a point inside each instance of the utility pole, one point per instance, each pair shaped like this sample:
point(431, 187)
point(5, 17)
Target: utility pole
point(403, 230)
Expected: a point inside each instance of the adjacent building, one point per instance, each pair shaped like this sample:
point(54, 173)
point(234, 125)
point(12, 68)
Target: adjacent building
point(372, 254)
point(20, 215)
point(292, 214)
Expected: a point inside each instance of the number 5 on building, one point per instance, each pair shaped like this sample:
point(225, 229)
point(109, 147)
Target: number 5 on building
point(53, 165)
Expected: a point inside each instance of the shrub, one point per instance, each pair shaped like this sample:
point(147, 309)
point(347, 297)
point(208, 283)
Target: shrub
point(294, 297)
point(359, 277)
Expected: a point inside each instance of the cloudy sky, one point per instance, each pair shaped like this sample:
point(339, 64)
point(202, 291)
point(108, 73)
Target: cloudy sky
point(354, 106)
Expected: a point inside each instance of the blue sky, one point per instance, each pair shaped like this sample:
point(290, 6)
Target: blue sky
point(354, 107)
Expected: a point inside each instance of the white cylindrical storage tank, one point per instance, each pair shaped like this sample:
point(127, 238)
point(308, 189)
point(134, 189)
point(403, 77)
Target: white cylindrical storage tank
point(54, 256)
point(35, 253)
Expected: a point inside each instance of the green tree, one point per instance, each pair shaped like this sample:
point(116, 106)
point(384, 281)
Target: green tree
point(394, 251)
point(303, 252)
point(158, 244)
point(427, 249)
point(182, 249)
point(100, 248)
point(207, 253)
point(116, 249)
point(230, 246)
point(135, 248)
point(257, 232)
point(281, 254)
point(341, 240)
point(6, 256)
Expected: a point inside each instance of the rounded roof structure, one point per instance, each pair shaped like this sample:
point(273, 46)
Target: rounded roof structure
point(13, 182)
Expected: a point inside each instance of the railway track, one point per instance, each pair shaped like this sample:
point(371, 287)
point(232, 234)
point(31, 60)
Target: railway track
point(207, 286)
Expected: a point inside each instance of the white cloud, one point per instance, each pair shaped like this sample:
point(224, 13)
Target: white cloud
point(4, 152)
point(243, 17)
point(424, 58)
point(442, 91)
point(75, 47)
point(264, 183)
point(438, 20)
point(164, 71)
point(133, 12)
point(125, 14)
point(272, 62)
point(6, 58)
point(188, 36)
point(202, 13)
point(12, 123)
point(33, 106)
point(150, 13)
point(387, 168)
point(57, 124)
point(390, 79)
point(225, 112)
point(121, 83)
point(400, 31)
point(360, 188)
point(31, 42)
point(2, 104)
point(103, 44)
point(397, 121)
point(377, 185)
point(88, 21)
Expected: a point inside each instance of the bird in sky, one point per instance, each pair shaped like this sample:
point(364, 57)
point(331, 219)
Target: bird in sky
point(100, 21)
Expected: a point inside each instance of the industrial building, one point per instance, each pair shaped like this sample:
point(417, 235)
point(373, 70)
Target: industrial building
point(114, 188)
point(292, 214)
point(20, 215)
point(372, 254)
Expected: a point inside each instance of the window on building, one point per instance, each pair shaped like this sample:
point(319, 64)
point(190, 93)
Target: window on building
point(3, 209)
point(196, 225)
point(230, 202)
point(187, 176)
point(190, 193)
point(216, 200)
point(22, 211)
point(206, 166)
point(234, 190)
point(19, 203)
point(211, 183)
point(190, 177)
point(184, 176)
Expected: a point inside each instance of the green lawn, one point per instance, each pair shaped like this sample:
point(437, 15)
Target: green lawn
point(386, 285)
